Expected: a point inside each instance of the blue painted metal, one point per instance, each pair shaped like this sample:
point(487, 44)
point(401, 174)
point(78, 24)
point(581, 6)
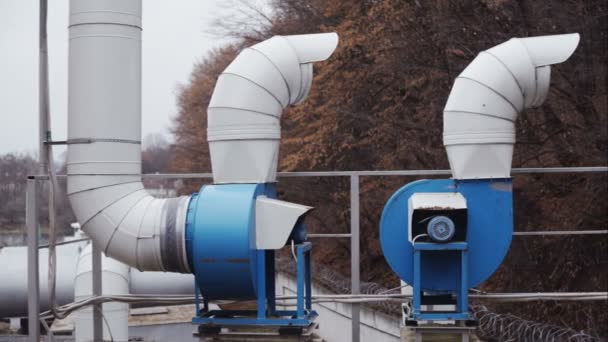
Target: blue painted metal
point(227, 318)
point(261, 277)
point(220, 233)
point(490, 228)
point(424, 249)
point(266, 313)
point(220, 243)
point(463, 299)
point(189, 236)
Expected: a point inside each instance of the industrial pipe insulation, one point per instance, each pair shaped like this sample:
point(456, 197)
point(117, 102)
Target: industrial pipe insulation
point(479, 116)
point(104, 129)
point(250, 95)
point(104, 141)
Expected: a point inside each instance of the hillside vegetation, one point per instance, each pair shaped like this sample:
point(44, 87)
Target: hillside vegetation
point(377, 103)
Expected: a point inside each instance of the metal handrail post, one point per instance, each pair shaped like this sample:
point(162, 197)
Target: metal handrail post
point(33, 281)
point(96, 269)
point(354, 255)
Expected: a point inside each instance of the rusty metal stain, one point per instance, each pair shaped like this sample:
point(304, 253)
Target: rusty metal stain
point(237, 261)
point(436, 208)
point(229, 260)
point(208, 261)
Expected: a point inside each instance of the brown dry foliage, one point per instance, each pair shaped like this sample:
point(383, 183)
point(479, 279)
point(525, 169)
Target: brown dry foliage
point(377, 105)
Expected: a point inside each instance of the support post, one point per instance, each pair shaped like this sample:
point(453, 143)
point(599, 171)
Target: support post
point(33, 281)
point(308, 281)
point(354, 254)
point(464, 281)
point(417, 292)
point(43, 91)
point(261, 284)
point(97, 291)
point(300, 283)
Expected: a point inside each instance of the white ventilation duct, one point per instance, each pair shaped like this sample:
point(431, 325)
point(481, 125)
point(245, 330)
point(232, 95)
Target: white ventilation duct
point(245, 110)
point(115, 281)
point(13, 287)
point(104, 128)
point(479, 117)
point(104, 137)
point(13, 278)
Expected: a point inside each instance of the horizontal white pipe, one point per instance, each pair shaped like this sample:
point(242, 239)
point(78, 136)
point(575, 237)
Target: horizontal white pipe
point(13, 279)
point(479, 116)
point(245, 109)
point(104, 107)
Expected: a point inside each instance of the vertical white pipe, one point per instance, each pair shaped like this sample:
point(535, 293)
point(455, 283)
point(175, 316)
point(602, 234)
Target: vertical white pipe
point(115, 315)
point(104, 137)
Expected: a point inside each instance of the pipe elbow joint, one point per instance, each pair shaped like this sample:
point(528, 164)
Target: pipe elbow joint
point(479, 116)
point(249, 98)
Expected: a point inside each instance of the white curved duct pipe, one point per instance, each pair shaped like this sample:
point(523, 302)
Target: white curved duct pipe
point(245, 110)
point(479, 117)
point(104, 141)
point(115, 281)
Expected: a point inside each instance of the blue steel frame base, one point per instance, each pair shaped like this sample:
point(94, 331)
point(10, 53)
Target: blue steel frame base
point(462, 295)
point(266, 313)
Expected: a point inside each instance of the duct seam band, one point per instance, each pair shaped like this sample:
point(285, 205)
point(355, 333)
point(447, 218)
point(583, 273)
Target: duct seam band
point(241, 132)
point(245, 111)
point(518, 108)
point(102, 140)
point(462, 138)
point(509, 118)
point(105, 18)
point(276, 67)
point(507, 69)
point(172, 247)
point(256, 84)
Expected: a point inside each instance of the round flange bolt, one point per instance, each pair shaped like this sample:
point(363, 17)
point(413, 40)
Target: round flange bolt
point(441, 229)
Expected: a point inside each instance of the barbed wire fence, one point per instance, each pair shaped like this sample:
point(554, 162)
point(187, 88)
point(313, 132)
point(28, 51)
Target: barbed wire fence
point(492, 326)
point(507, 328)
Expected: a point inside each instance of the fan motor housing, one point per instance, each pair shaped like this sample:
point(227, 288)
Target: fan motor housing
point(437, 217)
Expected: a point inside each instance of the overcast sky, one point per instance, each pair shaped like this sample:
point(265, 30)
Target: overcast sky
point(173, 40)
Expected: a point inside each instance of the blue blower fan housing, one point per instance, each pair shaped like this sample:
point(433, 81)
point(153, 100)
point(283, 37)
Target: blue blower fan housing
point(446, 236)
point(232, 233)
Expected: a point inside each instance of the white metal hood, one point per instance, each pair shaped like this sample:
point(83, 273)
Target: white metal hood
point(245, 110)
point(479, 116)
point(104, 141)
point(275, 220)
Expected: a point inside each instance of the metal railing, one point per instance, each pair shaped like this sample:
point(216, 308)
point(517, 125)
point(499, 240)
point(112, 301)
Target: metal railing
point(355, 178)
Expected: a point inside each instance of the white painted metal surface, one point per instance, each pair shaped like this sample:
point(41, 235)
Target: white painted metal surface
point(433, 200)
point(104, 108)
point(161, 283)
point(479, 116)
point(13, 279)
point(115, 281)
point(244, 112)
point(14, 284)
point(274, 221)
